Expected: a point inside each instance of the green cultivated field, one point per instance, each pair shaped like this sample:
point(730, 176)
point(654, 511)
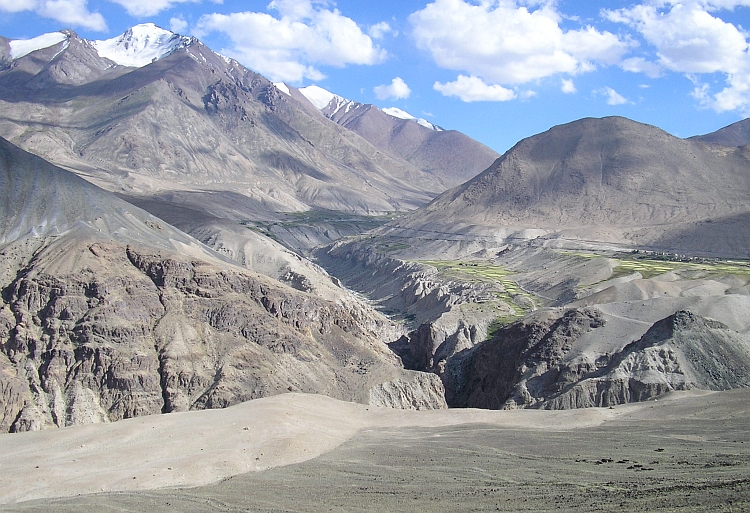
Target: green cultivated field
point(482, 272)
point(650, 267)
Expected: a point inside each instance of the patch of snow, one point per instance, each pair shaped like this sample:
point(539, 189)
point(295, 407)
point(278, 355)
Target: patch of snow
point(429, 125)
point(400, 114)
point(21, 47)
point(281, 86)
point(318, 96)
point(140, 45)
point(338, 104)
point(64, 47)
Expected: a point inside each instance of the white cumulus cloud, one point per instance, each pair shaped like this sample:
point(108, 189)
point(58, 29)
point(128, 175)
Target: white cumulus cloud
point(689, 36)
point(142, 8)
point(397, 89)
point(17, 5)
point(289, 47)
point(567, 86)
point(178, 25)
point(73, 13)
point(613, 97)
point(640, 65)
point(507, 42)
point(474, 89)
point(379, 30)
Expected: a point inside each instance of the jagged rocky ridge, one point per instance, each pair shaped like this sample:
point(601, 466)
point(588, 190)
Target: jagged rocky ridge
point(447, 154)
point(109, 313)
point(198, 130)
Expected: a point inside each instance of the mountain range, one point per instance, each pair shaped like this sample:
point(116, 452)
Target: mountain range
point(110, 313)
point(196, 127)
point(157, 199)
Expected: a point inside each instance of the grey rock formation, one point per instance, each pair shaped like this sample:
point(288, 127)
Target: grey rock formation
point(681, 352)
point(424, 391)
point(532, 363)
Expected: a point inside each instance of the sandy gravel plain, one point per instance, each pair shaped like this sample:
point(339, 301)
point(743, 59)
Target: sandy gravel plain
point(294, 452)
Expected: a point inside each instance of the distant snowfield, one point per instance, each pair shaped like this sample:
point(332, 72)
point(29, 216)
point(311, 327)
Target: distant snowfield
point(21, 47)
point(140, 45)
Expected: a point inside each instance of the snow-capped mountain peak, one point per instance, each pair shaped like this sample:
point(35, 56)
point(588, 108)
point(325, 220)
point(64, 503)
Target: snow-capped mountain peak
point(140, 45)
point(21, 47)
point(318, 96)
point(401, 114)
point(332, 104)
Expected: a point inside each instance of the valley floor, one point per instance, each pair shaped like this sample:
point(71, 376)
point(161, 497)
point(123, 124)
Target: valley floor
point(684, 452)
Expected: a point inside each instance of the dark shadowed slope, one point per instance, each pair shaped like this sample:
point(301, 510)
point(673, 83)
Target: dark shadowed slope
point(40, 200)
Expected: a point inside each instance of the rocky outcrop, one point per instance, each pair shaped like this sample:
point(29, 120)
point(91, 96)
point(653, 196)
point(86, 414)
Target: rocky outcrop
point(522, 363)
point(532, 363)
point(681, 352)
point(96, 332)
point(424, 391)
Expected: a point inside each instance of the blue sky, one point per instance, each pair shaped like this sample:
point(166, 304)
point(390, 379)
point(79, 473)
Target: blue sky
point(497, 70)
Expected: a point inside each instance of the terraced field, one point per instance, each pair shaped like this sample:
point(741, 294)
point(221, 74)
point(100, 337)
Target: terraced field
point(650, 267)
point(508, 291)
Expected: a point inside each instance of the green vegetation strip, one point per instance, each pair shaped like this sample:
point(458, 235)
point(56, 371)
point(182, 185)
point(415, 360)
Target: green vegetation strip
point(649, 266)
point(485, 272)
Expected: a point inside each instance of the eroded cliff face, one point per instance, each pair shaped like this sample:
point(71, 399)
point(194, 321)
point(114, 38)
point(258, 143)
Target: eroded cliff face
point(537, 363)
point(100, 331)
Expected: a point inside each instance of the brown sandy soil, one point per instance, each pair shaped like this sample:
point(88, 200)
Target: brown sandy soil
point(685, 452)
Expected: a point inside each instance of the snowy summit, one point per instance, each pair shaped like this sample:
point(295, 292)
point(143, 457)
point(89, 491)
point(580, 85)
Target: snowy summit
point(140, 45)
point(318, 96)
point(332, 103)
point(398, 113)
point(21, 47)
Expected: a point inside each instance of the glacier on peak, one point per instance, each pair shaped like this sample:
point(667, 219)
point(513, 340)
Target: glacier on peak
point(140, 45)
point(21, 47)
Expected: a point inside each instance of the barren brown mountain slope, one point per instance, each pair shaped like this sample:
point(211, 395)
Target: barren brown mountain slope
point(610, 180)
point(736, 134)
point(108, 312)
point(446, 154)
point(193, 126)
